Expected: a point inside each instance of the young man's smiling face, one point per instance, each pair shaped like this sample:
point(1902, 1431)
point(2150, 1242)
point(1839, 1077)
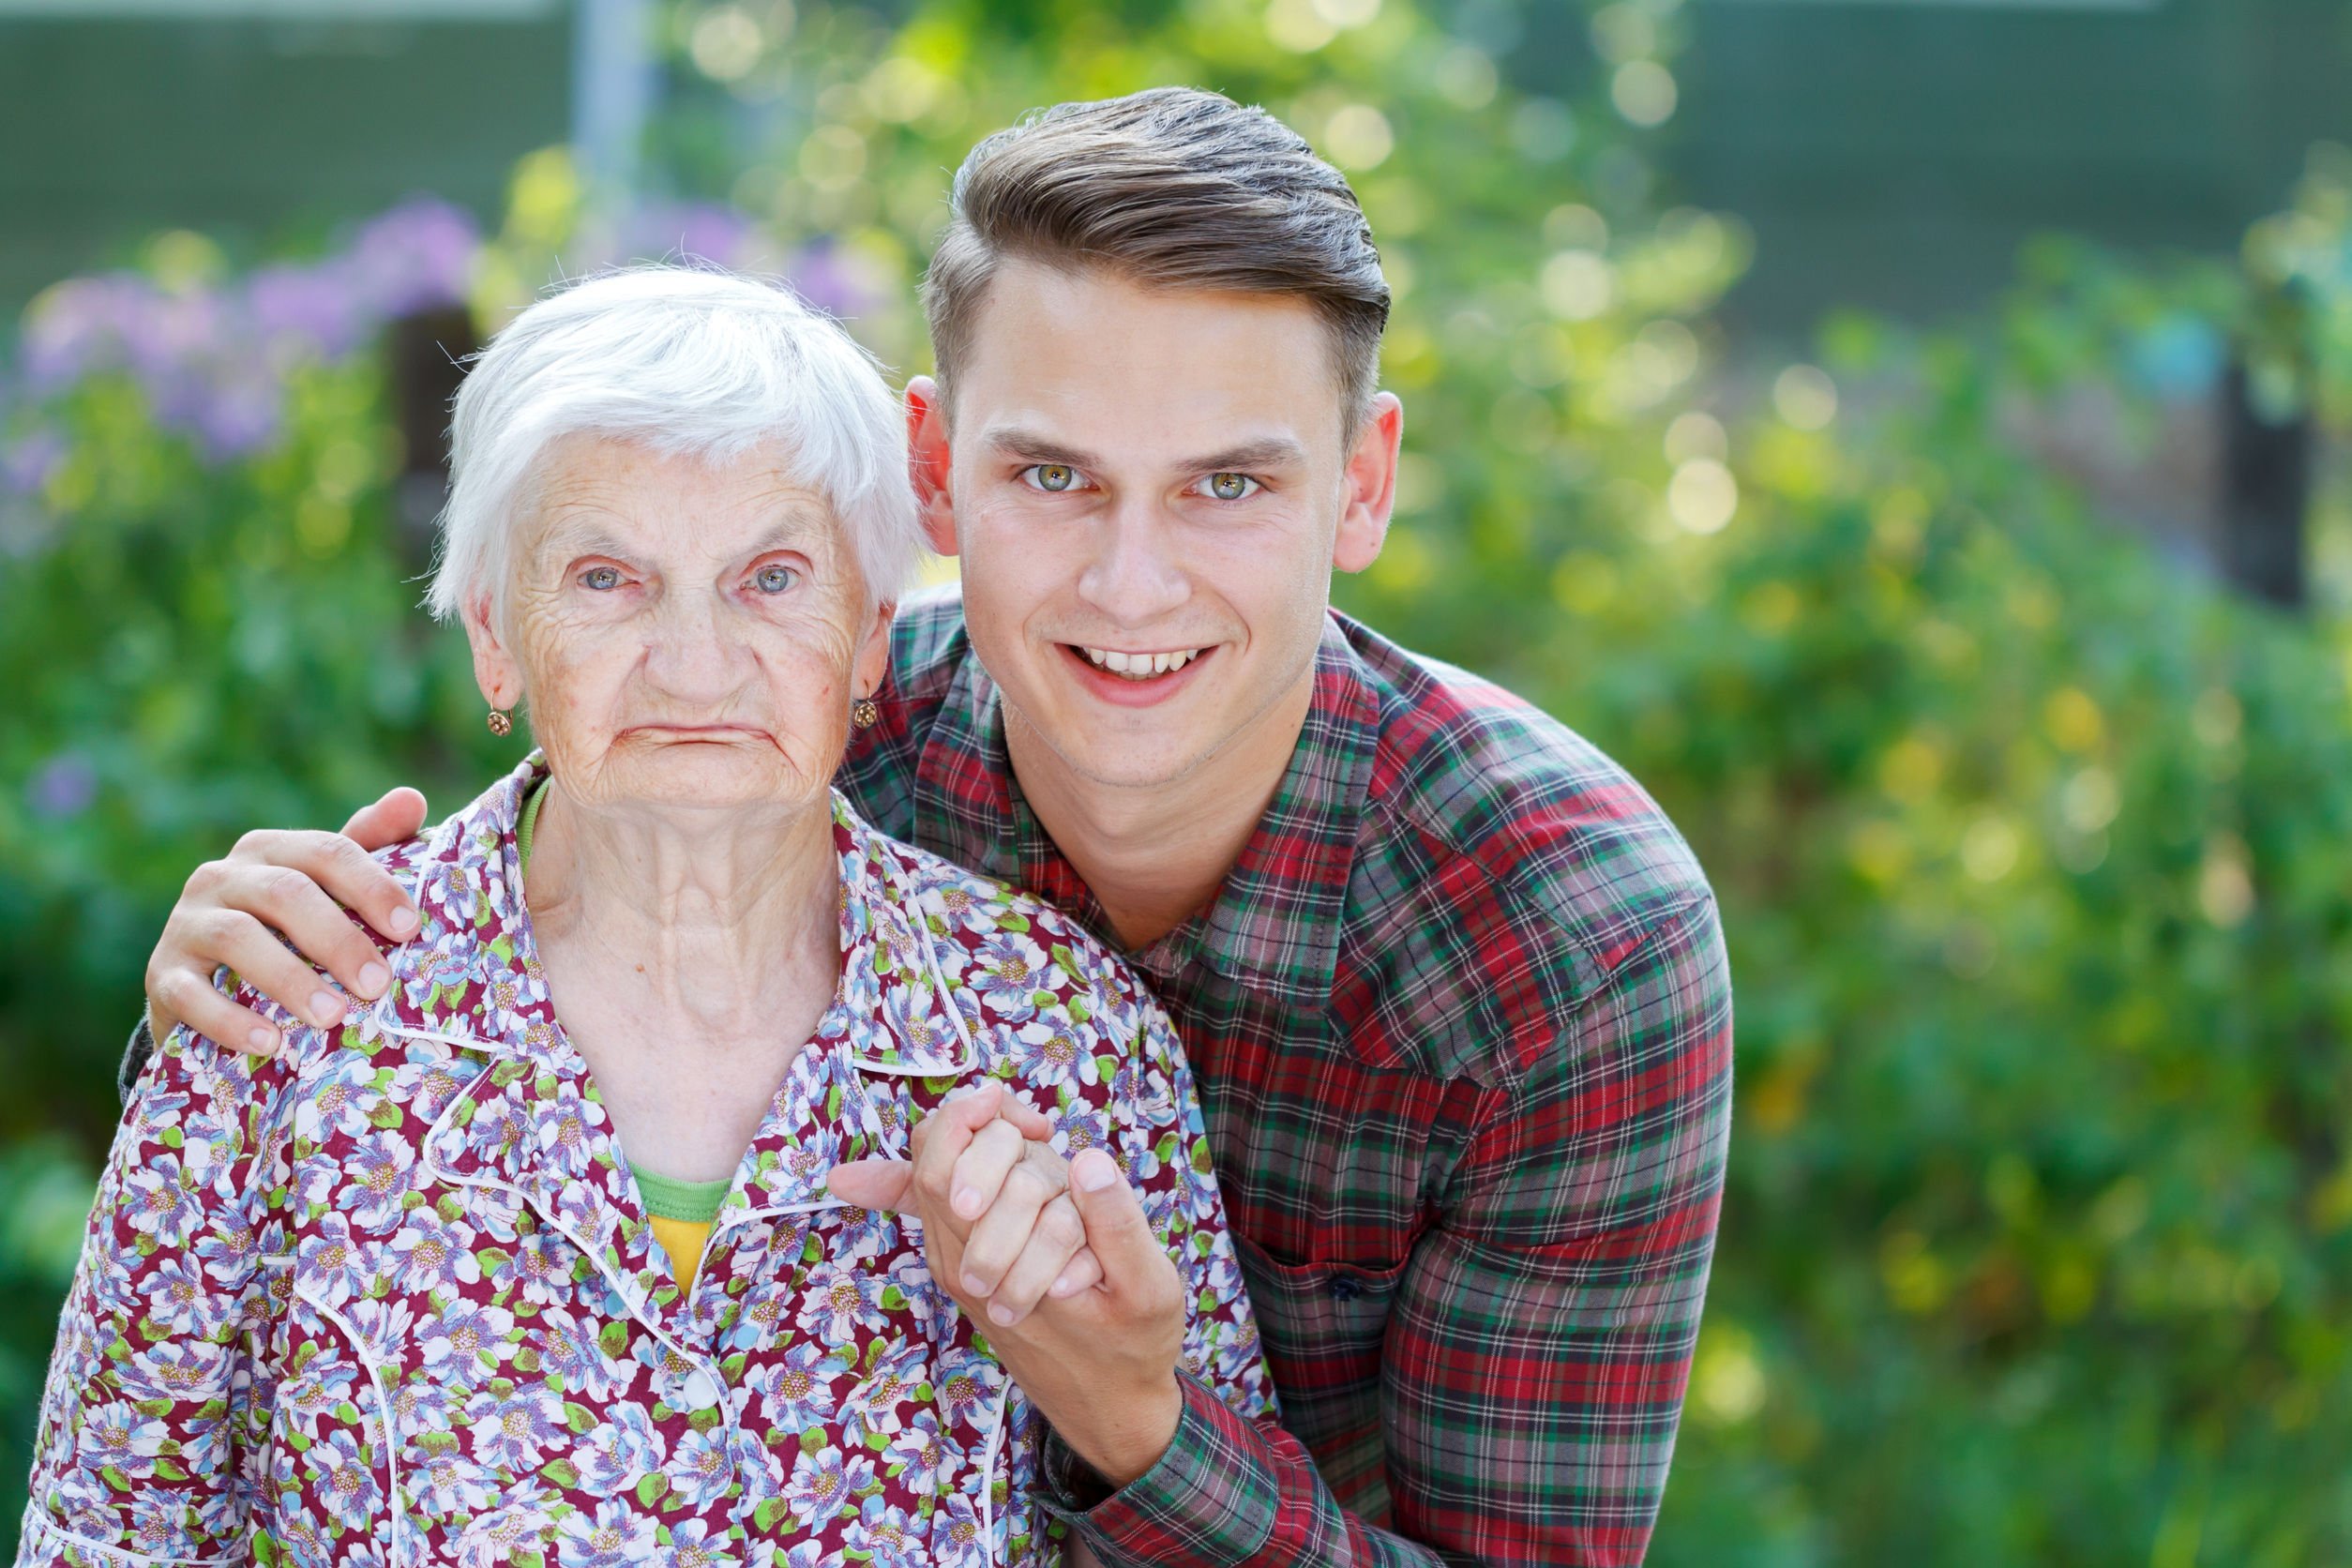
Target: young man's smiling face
point(1149, 490)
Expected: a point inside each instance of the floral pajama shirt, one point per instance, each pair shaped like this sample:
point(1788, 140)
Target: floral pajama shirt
point(392, 1297)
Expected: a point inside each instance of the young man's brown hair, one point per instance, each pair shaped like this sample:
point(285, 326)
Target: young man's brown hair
point(1172, 186)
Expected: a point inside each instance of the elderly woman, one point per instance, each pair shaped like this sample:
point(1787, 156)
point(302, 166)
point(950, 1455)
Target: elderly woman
point(534, 1260)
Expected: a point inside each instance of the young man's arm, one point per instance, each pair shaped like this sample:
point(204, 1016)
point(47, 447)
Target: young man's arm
point(1540, 1343)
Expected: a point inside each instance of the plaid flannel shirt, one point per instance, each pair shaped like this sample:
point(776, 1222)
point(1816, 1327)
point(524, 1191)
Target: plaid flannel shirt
point(1461, 1023)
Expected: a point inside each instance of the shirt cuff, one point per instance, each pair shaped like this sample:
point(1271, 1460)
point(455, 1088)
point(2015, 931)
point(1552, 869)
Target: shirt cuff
point(1210, 1500)
point(135, 1057)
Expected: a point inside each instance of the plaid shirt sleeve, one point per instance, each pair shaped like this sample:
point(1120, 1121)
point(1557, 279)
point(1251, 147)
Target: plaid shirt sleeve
point(1535, 1366)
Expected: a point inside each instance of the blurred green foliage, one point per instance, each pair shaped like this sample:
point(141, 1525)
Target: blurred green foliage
point(2035, 847)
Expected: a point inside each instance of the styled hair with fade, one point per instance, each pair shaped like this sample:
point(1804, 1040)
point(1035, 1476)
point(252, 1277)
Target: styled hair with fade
point(1175, 187)
point(690, 360)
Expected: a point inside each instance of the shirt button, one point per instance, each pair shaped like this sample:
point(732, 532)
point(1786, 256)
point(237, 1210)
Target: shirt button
point(700, 1390)
point(1344, 1288)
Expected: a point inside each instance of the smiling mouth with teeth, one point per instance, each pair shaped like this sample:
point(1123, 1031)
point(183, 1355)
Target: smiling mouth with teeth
point(1139, 667)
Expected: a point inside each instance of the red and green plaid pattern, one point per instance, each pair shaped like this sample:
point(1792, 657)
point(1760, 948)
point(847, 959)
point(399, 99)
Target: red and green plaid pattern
point(1462, 1026)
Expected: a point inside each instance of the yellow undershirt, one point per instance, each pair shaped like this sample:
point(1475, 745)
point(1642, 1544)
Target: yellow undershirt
point(682, 1212)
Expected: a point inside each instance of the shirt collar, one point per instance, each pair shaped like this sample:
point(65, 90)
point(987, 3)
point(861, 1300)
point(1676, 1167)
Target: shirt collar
point(1275, 922)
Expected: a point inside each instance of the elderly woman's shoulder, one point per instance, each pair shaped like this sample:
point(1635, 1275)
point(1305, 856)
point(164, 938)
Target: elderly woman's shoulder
point(990, 921)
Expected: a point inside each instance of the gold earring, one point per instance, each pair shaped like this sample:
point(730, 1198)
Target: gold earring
point(500, 724)
point(865, 714)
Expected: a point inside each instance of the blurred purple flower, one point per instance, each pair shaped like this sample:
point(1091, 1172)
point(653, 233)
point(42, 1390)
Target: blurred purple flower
point(62, 787)
point(240, 416)
point(830, 282)
point(692, 231)
point(80, 327)
point(26, 463)
point(418, 256)
point(310, 307)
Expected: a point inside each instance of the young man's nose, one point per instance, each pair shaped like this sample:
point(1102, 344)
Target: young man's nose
point(1134, 576)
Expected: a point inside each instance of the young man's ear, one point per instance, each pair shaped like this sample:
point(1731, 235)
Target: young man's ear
point(495, 670)
point(1368, 487)
point(928, 462)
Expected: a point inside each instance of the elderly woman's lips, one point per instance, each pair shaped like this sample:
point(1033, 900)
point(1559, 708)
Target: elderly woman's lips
point(697, 732)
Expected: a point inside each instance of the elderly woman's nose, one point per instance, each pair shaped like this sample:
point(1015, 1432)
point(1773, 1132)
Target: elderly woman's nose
point(695, 648)
point(1134, 575)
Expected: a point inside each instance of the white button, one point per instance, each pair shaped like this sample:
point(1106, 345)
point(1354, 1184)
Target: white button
point(701, 1390)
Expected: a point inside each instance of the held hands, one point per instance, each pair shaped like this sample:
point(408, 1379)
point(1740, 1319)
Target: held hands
point(233, 909)
point(1060, 1265)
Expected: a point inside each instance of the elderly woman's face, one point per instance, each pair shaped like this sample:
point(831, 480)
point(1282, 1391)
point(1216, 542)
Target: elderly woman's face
point(688, 634)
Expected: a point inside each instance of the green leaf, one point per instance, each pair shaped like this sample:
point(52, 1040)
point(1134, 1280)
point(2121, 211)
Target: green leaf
point(651, 1487)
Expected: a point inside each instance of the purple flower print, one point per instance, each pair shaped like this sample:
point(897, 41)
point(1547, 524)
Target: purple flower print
point(916, 1453)
point(377, 1171)
point(837, 1303)
point(512, 1425)
point(884, 1530)
point(428, 1251)
point(613, 1536)
point(698, 1470)
point(826, 1482)
point(347, 1475)
point(161, 1204)
point(1051, 1052)
point(619, 1452)
point(797, 1388)
point(334, 1262)
point(118, 1437)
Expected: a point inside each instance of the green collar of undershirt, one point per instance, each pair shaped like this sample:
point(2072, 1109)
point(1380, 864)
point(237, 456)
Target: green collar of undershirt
point(666, 1197)
point(530, 820)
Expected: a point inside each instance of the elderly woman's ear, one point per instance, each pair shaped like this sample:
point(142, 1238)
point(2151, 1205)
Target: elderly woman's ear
point(495, 668)
point(873, 653)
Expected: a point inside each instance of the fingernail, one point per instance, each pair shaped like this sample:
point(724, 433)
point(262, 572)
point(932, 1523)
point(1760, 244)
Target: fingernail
point(373, 979)
point(325, 1010)
point(1065, 1286)
point(966, 1202)
point(973, 1285)
point(1002, 1315)
point(262, 1040)
point(1094, 1170)
point(402, 921)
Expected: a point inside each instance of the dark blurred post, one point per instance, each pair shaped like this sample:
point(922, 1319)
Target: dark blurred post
point(428, 353)
point(2267, 450)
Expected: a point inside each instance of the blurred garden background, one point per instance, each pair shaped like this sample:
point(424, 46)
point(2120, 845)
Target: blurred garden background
point(1914, 436)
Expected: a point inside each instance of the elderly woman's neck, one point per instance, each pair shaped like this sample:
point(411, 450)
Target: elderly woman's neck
point(715, 911)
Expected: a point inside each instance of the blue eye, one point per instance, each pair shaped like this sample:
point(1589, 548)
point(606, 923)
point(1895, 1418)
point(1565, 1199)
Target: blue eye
point(1052, 477)
point(774, 579)
point(601, 578)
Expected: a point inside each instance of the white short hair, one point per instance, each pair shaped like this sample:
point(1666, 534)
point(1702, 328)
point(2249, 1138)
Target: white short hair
point(690, 360)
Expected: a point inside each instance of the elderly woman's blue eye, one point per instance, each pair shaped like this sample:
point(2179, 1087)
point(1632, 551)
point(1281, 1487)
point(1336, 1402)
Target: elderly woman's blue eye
point(773, 580)
point(600, 578)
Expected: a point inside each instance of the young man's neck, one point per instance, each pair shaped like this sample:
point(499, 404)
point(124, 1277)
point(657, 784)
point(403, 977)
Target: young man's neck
point(1154, 856)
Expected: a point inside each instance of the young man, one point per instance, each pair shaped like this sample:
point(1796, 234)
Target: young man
point(1454, 988)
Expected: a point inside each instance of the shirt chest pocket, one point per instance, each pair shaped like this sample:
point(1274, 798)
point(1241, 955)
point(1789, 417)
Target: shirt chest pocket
point(1327, 1316)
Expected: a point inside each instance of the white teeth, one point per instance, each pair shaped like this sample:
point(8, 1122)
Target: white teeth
point(1140, 667)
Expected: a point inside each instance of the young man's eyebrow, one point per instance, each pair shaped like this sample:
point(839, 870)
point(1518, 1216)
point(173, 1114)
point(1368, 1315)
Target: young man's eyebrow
point(1273, 451)
point(1037, 447)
